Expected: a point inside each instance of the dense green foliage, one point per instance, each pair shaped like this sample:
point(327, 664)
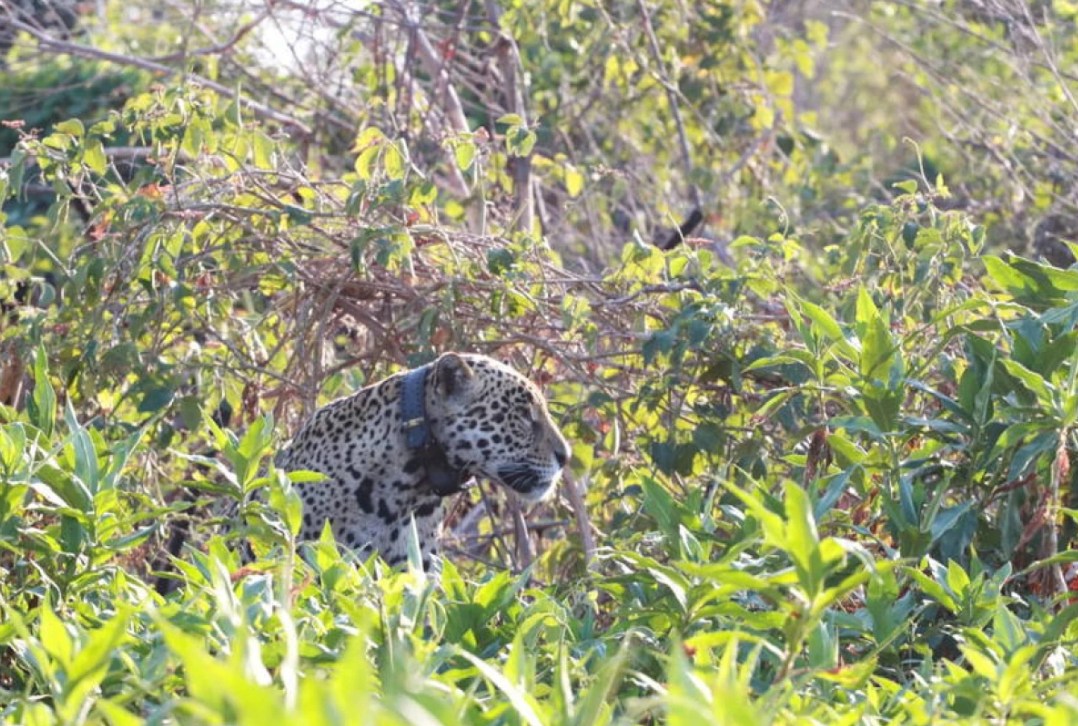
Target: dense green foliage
point(825, 455)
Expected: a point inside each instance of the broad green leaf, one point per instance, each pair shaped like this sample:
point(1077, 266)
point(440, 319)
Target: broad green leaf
point(1056, 630)
point(395, 160)
point(933, 589)
point(194, 137)
point(1008, 631)
point(802, 539)
point(464, 153)
point(773, 525)
point(71, 126)
point(54, 636)
point(957, 579)
point(12, 446)
point(364, 165)
point(263, 150)
point(1036, 385)
point(94, 156)
point(1032, 283)
point(878, 349)
point(659, 503)
point(90, 664)
point(982, 664)
point(823, 321)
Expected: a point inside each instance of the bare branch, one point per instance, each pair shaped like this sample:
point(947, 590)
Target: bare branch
point(525, 552)
point(583, 522)
point(672, 99)
point(509, 63)
point(49, 43)
point(219, 48)
point(454, 111)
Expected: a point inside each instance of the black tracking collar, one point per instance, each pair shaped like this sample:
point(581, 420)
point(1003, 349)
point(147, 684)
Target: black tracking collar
point(444, 480)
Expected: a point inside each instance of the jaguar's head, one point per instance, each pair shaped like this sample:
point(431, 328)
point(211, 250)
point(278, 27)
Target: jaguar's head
point(493, 422)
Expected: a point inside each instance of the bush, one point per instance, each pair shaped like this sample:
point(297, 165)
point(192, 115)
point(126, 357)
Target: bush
point(825, 470)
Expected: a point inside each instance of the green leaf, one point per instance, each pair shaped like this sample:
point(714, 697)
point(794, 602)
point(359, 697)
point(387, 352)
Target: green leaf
point(594, 705)
point(774, 526)
point(823, 321)
point(1008, 630)
point(802, 539)
point(932, 588)
point(574, 181)
point(263, 150)
point(395, 160)
point(86, 465)
point(71, 126)
point(42, 403)
point(879, 352)
point(1032, 283)
point(464, 154)
point(660, 505)
point(12, 446)
point(94, 156)
point(193, 138)
point(89, 666)
point(519, 141)
point(1044, 274)
point(673, 581)
point(883, 404)
point(1056, 630)
point(156, 398)
point(686, 698)
point(116, 714)
point(957, 578)
point(16, 171)
point(1031, 381)
point(523, 703)
point(298, 215)
point(54, 636)
point(982, 664)
point(365, 162)
point(16, 241)
point(289, 504)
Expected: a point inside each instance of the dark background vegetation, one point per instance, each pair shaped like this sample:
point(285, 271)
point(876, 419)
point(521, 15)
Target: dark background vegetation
point(821, 436)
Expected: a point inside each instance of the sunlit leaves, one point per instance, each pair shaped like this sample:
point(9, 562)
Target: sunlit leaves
point(519, 139)
point(94, 156)
point(464, 152)
point(379, 154)
point(264, 152)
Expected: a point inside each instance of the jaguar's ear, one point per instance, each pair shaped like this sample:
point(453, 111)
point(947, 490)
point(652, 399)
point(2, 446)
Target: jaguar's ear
point(454, 375)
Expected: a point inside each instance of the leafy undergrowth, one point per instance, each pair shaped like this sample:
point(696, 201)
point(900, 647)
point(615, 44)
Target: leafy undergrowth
point(825, 483)
point(889, 567)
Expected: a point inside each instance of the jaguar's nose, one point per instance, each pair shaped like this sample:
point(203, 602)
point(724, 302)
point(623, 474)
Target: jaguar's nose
point(561, 455)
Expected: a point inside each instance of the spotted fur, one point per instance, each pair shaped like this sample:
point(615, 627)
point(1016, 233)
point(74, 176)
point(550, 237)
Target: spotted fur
point(491, 422)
